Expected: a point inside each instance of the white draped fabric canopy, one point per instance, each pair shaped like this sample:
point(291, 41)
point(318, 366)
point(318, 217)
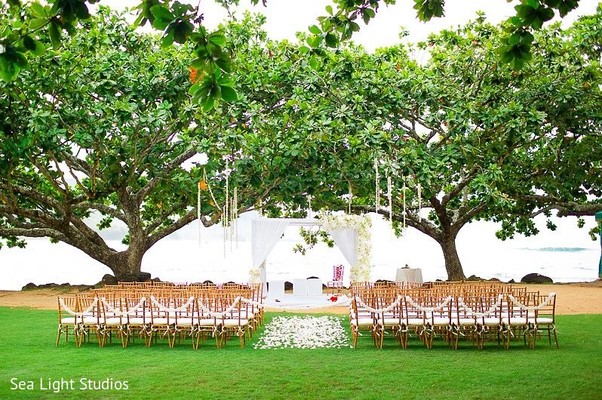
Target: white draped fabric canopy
point(266, 232)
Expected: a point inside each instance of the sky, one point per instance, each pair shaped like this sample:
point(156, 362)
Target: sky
point(286, 17)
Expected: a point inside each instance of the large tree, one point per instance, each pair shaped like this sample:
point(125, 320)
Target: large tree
point(93, 131)
point(103, 127)
point(562, 172)
point(465, 129)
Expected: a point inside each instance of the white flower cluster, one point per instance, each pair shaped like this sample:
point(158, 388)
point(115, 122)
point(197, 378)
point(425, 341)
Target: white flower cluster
point(254, 275)
point(360, 272)
point(305, 332)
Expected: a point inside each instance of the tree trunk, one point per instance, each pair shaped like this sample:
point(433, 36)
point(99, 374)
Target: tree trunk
point(453, 266)
point(126, 265)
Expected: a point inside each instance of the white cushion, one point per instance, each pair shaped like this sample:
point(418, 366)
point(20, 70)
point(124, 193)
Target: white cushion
point(229, 323)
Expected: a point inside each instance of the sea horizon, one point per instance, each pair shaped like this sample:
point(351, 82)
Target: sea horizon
point(566, 255)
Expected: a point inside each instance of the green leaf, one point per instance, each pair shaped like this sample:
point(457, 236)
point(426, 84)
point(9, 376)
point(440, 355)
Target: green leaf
point(217, 38)
point(40, 49)
point(163, 17)
point(9, 69)
point(37, 10)
point(81, 10)
point(229, 94)
point(331, 40)
point(208, 104)
point(55, 34)
point(37, 23)
point(224, 63)
point(314, 63)
point(182, 30)
point(161, 12)
point(315, 30)
point(29, 43)
point(314, 41)
point(167, 39)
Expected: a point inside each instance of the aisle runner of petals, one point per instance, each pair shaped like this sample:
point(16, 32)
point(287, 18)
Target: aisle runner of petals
point(303, 333)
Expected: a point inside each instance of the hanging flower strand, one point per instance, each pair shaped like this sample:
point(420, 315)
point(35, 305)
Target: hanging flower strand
point(203, 159)
point(390, 197)
point(419, 190)
point(376, 186)
point(403, 195)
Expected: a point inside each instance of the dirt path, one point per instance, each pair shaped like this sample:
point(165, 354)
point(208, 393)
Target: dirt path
point(573, 298)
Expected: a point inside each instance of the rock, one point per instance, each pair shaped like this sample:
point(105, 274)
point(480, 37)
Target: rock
point(536, 278)
point(511, 281)
point(30, 286)
point(136, 277)
point(494, 280)
point(473, 278)
point(108, 279)
point(143, 277)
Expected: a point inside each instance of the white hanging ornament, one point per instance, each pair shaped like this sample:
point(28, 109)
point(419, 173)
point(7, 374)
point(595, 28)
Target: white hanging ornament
point(226, 209)
point(350, 198)
point(404, 201)
point(376, 185)
point(390, 197)
point(419, 190)
point(198, 209)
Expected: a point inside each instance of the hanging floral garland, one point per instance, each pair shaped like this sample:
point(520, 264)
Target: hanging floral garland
point(255, 275)
point(360, 272)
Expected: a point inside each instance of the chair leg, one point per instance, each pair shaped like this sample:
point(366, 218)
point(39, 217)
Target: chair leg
point(58, 334)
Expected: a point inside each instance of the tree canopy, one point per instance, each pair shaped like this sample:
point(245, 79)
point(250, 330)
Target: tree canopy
point(33, 26)
point(103, 126)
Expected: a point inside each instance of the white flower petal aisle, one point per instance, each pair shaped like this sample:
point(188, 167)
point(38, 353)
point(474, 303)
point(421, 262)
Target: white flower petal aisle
point(305, 332)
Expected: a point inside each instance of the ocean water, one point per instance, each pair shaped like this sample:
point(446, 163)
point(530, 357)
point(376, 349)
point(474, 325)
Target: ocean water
point(566, 255)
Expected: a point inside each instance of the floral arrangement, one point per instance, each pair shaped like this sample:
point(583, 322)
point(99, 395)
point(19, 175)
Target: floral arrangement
point(304, 332)
point(360, 272)
point(254, 275)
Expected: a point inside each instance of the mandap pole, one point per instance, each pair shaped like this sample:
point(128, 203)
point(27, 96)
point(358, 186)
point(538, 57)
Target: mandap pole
point(599, 221)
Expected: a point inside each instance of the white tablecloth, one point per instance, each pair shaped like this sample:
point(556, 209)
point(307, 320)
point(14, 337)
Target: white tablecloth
point(300, 287)
point(307, 287)
point(314, 287)
point(276, 289)
point(409, 275)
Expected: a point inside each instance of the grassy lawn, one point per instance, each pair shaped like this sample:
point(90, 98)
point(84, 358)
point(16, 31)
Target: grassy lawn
point(29, 355)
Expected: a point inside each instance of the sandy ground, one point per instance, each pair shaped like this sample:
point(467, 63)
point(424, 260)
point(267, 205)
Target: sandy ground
point(573, 298)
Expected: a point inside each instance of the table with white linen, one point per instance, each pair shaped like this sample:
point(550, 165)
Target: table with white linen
point(300, 287)
point(314, 287)
point(409, 275)
point(276, 289)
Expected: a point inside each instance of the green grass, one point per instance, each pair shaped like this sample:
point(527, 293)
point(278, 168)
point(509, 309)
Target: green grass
point(573, 371)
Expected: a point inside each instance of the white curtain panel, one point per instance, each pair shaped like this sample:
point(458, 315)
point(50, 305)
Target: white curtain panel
point(346, 240)
point(265, 234)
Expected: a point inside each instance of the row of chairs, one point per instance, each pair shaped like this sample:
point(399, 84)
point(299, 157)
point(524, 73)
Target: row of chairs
point(477, 312)
point(174, 313)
